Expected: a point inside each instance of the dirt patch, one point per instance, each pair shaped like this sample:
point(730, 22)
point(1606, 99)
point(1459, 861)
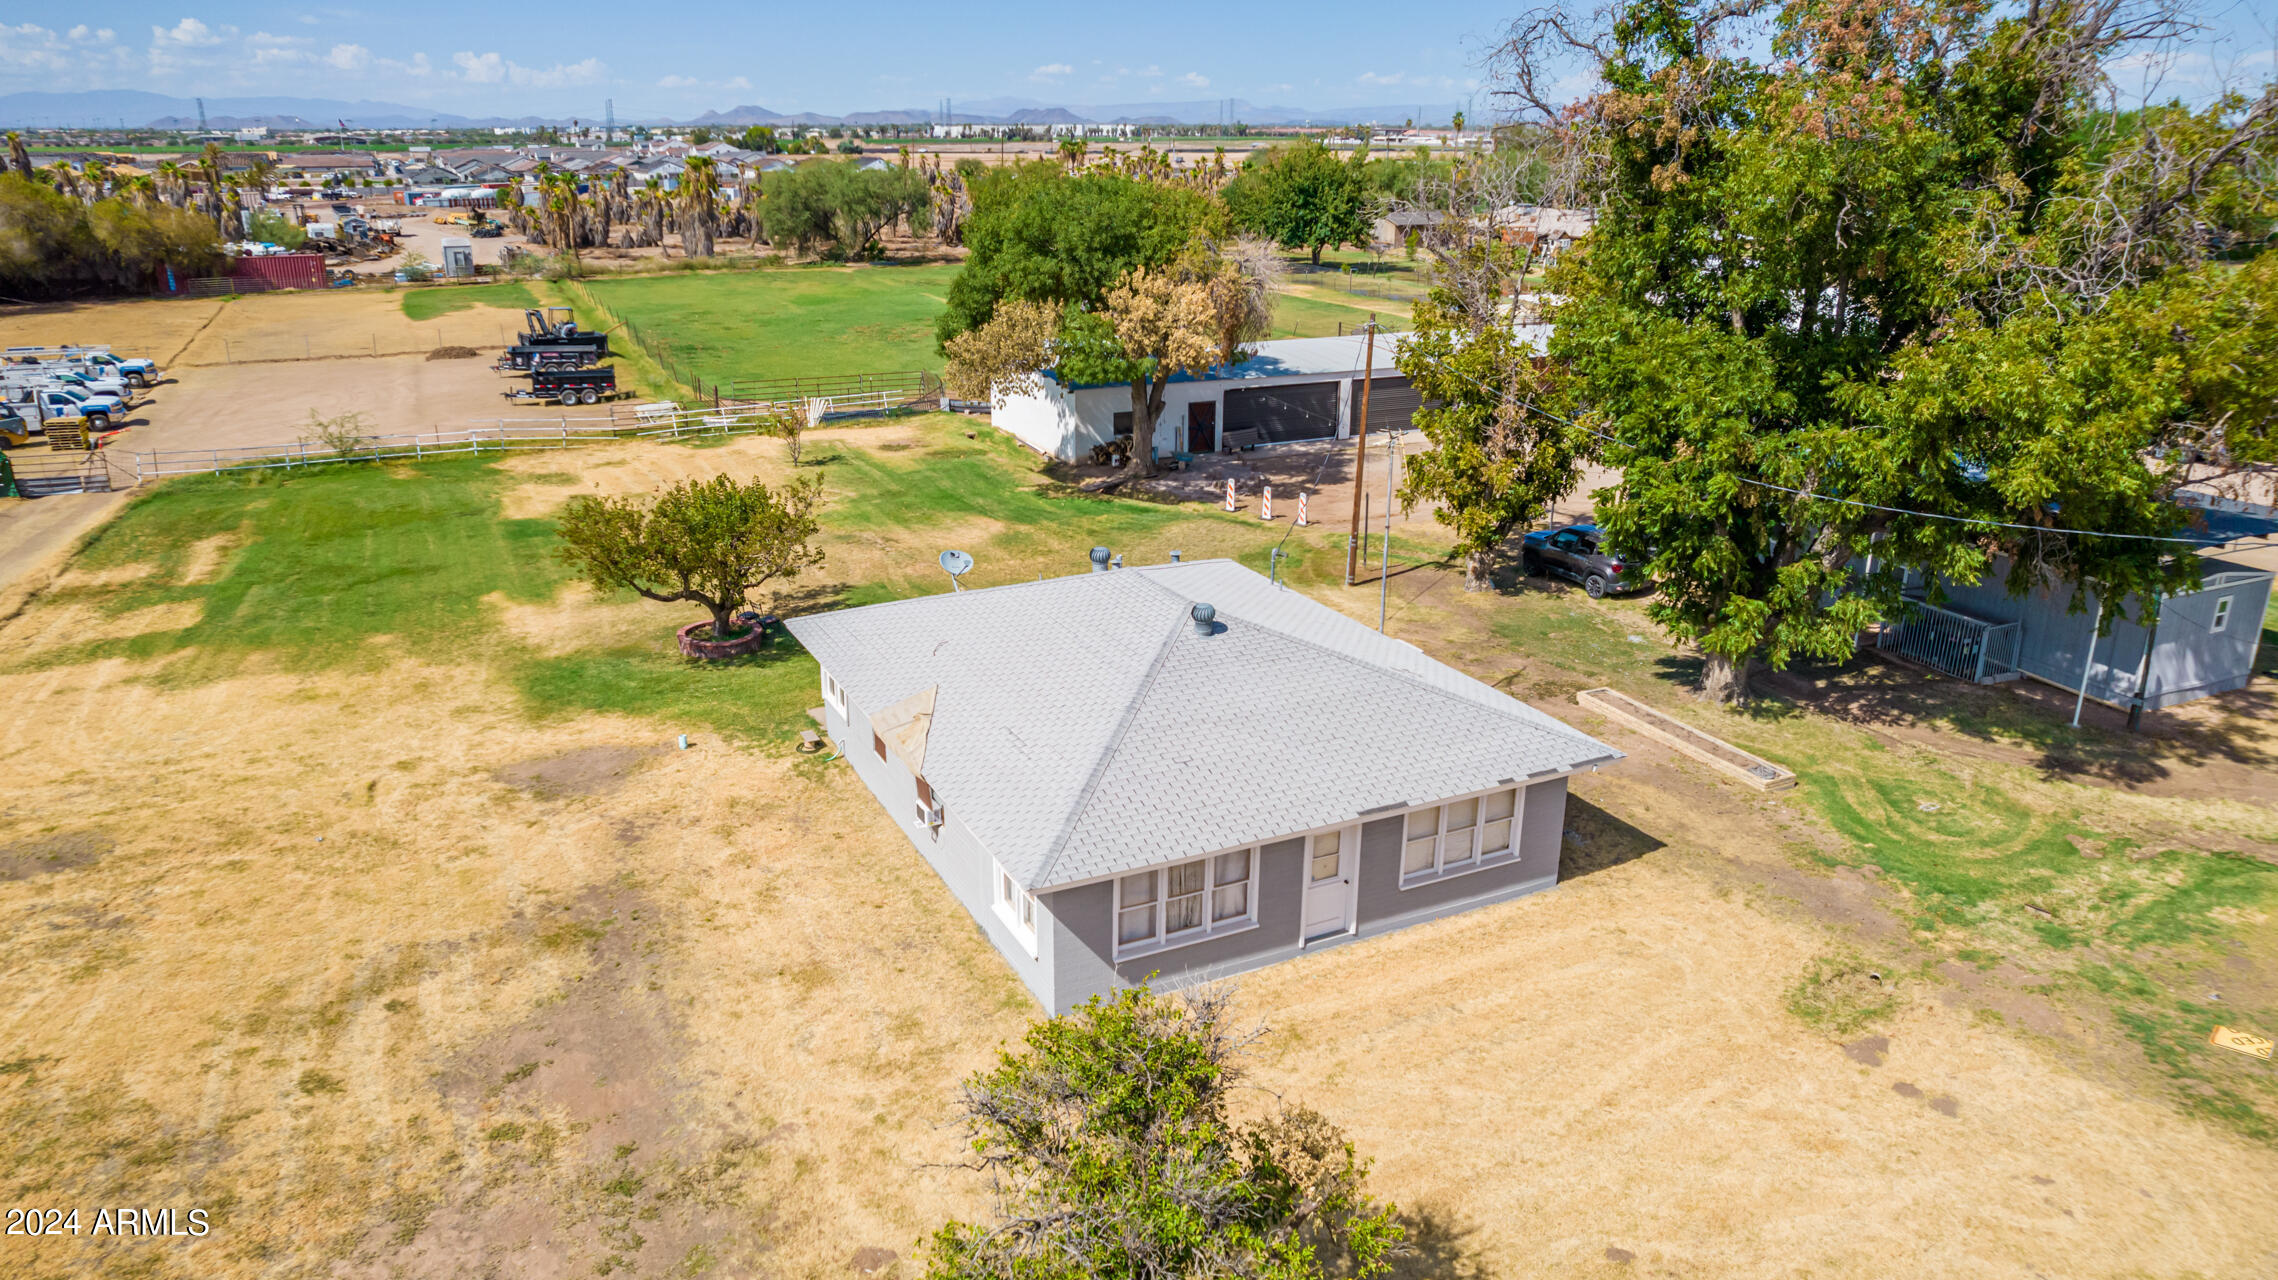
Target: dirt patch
point(46, 855)
point(453, 353)
point(587, 771)
point(206, 556)
point(1868, 1051)
point(870, 1259)
point(115, 576)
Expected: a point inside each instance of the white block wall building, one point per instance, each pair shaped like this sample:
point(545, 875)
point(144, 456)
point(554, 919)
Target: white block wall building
point(1294, 389)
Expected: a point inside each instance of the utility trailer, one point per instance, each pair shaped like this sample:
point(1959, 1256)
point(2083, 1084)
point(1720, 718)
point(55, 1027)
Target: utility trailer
point(569, 386)
point(552, 331)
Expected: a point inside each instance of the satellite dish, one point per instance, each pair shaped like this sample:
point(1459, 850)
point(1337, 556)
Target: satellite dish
point(956, 564)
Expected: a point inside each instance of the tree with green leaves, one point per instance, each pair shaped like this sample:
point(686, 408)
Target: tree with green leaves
point(838, 210)
point(709, 542)
point(1114, 1154)
point(1497, 460)
point(1301, 196)
point(1184, 317)
point(1138, 279)
point(1857, 302)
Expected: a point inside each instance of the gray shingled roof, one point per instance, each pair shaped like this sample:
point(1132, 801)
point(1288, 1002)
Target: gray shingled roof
point(1083, 728)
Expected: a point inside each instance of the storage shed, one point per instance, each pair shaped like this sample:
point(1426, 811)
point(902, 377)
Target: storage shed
point(2180, 647)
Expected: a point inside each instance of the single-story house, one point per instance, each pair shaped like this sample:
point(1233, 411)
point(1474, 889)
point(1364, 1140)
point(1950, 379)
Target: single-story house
point(2180, 647)
point(1187, 771)
point(1288, 390)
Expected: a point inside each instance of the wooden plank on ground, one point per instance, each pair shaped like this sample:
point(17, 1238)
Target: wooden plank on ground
point(1710, 750)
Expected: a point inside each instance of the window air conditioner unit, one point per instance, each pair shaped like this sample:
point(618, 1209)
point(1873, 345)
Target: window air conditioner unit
point(929, 815)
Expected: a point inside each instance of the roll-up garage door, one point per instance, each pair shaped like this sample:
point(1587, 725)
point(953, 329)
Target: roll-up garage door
point(1306, 411)
point(1391, 402)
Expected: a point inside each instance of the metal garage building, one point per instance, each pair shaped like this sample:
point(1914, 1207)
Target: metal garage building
point(1291, 390)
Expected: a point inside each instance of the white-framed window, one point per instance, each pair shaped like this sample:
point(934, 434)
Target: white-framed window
point(1015, 906)
point(2222, 619)
point(834, 693)
point(1187, 902)
point(1461, 835)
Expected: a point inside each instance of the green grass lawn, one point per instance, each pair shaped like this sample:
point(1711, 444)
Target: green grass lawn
point(428, 303)
point(355, 566)
point(790, 322)
point(1310, 316)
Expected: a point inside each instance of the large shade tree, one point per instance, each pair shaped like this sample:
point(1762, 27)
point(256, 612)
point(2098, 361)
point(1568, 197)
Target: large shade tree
point(1103, 278)
point(1865, 297)
point(709, 542)
point(1302, 196)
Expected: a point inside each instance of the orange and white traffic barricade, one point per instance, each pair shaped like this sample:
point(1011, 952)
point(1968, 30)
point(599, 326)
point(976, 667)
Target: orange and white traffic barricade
point(1265, 510)
point(1229, 493)
point(1301, 520)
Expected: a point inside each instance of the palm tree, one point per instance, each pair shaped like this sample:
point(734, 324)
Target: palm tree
point(699, 204)
point(209, 170)
point(19, 155)
point(172, 184)
point(561, 205)
point(63, 178)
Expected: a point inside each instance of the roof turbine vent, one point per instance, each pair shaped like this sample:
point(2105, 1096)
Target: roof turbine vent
point(1205, 618)
point(1100, 557)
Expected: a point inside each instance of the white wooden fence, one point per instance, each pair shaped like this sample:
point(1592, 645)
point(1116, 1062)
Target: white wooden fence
point(503, 435)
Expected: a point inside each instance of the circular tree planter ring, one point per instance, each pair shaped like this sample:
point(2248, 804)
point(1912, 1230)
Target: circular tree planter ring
point(696, 642)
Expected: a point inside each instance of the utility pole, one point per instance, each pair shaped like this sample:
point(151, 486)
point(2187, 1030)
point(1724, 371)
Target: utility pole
point(1360, 455)
point(1384, 555)
point(609, 125)
point(201, 114)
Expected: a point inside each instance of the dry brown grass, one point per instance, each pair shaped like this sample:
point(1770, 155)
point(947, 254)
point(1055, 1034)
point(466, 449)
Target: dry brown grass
point(314, 954)
point(1610, 1066)
point(160, 328)
point(340, 323)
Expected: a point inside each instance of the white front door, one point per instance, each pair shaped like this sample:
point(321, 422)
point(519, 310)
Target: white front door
point(1330, 866)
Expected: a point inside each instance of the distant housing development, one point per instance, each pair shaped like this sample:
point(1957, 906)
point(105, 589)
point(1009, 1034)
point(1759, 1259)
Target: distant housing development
point(1184, 770)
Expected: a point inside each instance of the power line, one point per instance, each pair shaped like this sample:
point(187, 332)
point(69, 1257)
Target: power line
point(1854, 502)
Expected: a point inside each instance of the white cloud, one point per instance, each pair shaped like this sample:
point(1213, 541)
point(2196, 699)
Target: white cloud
point(680, 82)
point(1195, 80)
point(1051, 71)
point(487, 69)
point(104, 35)
point(189, 33)
point(80, 32)
point(491, 68)
point(738, 82)
point(32, 48)
point(1150, 71)
point(348, 57)
point(1374, 78)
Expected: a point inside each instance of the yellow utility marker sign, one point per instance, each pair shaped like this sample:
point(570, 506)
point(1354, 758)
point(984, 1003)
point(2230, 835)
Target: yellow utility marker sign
point(2240, 1042)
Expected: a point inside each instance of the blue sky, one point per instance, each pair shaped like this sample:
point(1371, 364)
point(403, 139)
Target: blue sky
point(680, 59)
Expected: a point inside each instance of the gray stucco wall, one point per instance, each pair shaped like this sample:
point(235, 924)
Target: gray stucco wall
point(955, 856)
point(1082, 946)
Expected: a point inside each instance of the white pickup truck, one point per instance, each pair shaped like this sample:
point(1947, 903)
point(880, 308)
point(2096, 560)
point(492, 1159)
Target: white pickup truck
point(65, 406)
point(134, 371)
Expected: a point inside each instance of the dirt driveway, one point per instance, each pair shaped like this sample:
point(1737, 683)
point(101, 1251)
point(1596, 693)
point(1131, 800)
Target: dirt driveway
point(229, 406)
